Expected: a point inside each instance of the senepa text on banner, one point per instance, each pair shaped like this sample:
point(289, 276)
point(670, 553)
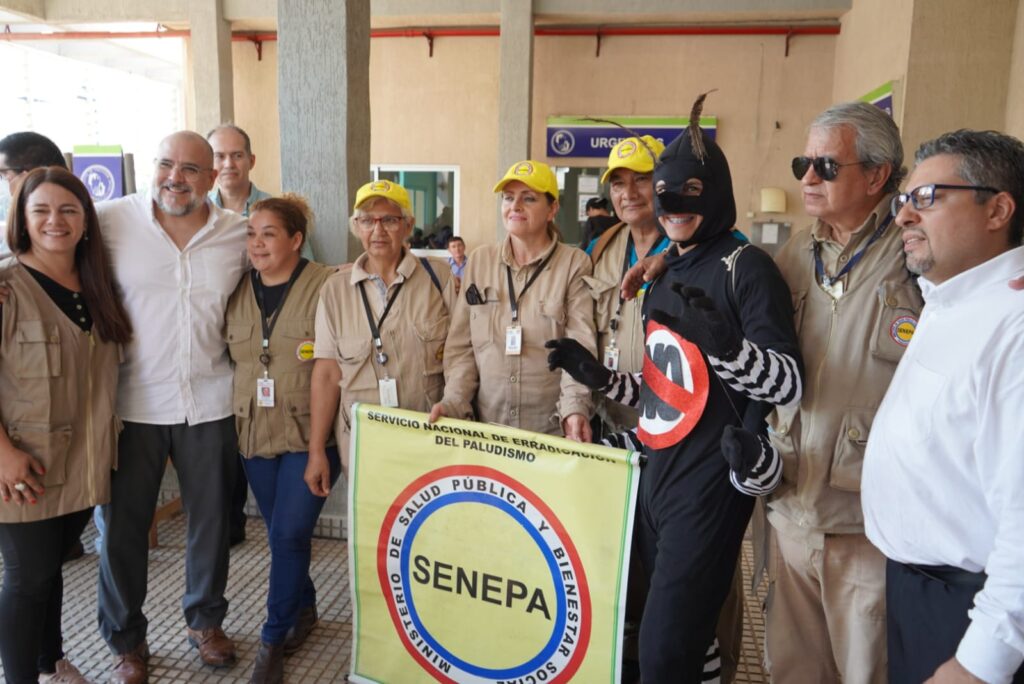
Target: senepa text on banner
point(481, 553)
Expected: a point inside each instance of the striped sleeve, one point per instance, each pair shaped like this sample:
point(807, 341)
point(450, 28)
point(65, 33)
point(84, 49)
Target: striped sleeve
point(761, 374)
point(623, 440)
point(624, 388)
point(766, 474)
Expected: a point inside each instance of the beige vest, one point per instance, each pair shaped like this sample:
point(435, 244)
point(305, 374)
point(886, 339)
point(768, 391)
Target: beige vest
point(270, 431)
point(850, 348)
point(519, 390)
point(629, 338)
point(57, 390)
point(413, 336)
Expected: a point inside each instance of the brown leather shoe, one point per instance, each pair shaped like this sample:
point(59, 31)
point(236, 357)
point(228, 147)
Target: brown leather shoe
point(130, 667)
point(301, 630)
point(215, 647)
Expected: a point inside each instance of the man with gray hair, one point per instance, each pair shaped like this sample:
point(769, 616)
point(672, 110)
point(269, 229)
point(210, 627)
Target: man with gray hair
point(943, 473)
point(856, 310)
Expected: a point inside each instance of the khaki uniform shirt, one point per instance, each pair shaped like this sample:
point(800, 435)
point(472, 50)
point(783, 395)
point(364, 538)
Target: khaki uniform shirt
point(629, 338)
point(58, 387)
point(413, 335)
point(519, 390)
point(850, 348)
point(284, 427)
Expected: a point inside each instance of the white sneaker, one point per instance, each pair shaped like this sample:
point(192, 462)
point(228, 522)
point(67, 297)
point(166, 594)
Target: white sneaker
point(66, 674)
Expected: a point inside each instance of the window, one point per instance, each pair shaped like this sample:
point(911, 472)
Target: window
point(434, 192)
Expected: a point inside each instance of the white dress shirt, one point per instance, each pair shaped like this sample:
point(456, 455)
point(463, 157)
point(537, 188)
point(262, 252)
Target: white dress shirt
point(943, 480)
point(176, 367)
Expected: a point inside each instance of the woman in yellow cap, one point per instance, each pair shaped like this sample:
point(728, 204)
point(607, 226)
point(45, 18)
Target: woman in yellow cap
point(380, 326)
point(517, 295)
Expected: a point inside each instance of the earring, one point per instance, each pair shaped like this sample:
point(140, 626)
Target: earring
point(85, 236)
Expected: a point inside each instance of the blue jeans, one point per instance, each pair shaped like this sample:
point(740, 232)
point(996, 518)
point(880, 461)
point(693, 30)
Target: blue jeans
point(290, 511)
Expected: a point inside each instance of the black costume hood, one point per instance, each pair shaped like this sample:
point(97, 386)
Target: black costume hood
point(694, 155)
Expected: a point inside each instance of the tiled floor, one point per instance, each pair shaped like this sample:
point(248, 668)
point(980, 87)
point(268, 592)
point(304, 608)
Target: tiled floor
point(324, 658)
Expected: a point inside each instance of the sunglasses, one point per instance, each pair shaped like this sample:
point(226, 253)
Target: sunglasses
point(826, 168)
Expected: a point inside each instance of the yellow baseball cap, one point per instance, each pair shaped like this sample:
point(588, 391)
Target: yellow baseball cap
point(537, 176)
point(633, 155)
point(383, 188)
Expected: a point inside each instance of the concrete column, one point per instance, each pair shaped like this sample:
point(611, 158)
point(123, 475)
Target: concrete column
point(324, 107)
point(958, 68)
point(323, 76)
point(515, 85)
point(211, 79)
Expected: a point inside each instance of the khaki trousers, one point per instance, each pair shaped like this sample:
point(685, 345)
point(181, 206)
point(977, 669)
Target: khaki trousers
point(825, 617)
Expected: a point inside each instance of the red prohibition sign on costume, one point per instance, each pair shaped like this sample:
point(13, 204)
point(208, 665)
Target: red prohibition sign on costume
point(687, 394)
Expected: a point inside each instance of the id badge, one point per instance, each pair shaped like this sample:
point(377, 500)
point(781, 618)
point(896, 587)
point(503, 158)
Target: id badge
point(265, 392)
point(513, 340)
point(611, 358)
point(388, 388)
point(835, 290)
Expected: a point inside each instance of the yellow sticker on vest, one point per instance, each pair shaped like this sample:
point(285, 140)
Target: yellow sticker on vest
point(304, 351)
point(902, 329)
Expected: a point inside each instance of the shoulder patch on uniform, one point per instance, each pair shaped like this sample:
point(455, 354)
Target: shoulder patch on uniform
point(902, 329)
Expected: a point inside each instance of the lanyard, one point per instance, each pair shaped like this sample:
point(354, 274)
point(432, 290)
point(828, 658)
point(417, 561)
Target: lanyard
point(512, 288)
point(382, 358)
point(819, 265)
point(614, 325)
point(267, 323)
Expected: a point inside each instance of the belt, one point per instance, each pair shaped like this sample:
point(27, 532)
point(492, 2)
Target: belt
point(948, 574)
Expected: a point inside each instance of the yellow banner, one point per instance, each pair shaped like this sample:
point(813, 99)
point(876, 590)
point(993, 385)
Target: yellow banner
point(481, 553)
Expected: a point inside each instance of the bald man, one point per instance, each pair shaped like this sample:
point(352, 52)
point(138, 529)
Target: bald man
point(176, 257)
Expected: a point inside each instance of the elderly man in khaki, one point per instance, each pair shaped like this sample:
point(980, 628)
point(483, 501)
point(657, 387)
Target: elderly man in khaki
point(381, 323)
point(517, 295)
point(856, 310)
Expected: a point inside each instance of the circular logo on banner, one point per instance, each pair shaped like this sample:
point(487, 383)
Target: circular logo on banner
point(675, 389)
point(99, 180)
point(304, 351)
point(563, 142)
point(519, 592)
point(902, 329)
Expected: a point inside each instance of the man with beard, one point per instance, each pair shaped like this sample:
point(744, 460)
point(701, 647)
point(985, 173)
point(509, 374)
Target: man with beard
point(177, 258)
point(720, 349)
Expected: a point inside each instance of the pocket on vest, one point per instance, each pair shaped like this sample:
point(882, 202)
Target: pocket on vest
point(47, 444)
point(38, 350)
point(296, 419)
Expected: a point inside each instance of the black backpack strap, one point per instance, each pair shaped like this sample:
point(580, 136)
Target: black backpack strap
point(430, 272)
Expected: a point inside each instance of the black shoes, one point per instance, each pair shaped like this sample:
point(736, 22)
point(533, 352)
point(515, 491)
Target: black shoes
point(302, 628)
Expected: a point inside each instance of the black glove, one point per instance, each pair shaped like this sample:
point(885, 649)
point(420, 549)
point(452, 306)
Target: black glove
point(702, 324)
point(572, 356)
point(742, 449)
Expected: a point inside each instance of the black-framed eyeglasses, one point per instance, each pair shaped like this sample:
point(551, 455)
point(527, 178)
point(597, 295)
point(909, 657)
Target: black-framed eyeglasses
point(827, 168)
point(923, 196)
